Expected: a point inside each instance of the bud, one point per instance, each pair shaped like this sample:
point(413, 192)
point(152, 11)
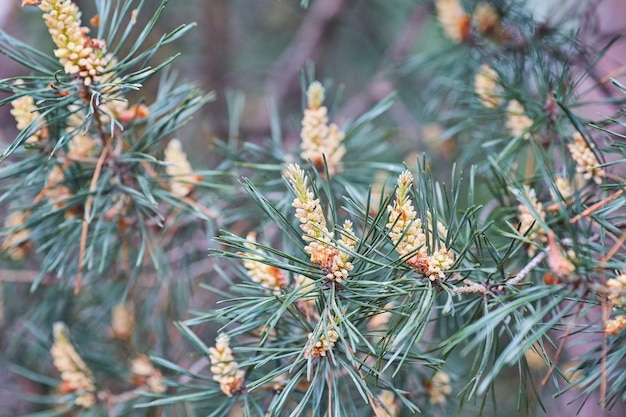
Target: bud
point(614, 326)
point(75, 375)
point(617, 290)
point(560, 266)
point(122, 322)
point(456, 24)
point(487, 88)
point(322, 345)
point(179, 169)
point(585, 159)
point(439, 387)
point(224, 368)
point(17, 242)
point(145, 374)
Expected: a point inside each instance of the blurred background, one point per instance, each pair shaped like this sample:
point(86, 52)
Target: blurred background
point(364, 47)
point(258, 47)
point(255, 49)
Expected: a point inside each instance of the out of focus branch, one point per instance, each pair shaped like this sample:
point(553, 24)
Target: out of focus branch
point(6, 8)
point(217, 43)
point(383, 82)
point(305, 46)
point(23, 276)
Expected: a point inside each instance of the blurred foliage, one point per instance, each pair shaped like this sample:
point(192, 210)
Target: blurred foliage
point(529, 262)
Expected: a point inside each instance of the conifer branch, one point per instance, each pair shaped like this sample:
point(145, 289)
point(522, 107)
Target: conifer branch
point(346, 277)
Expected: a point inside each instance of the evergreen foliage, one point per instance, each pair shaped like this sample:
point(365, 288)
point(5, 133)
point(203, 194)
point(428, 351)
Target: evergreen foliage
point(346, 278)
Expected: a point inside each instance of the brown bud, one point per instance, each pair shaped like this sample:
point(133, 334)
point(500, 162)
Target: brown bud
point(551, 108)
point(138, 111)
point(97, 43)
point(550, 279)
point(465, 27)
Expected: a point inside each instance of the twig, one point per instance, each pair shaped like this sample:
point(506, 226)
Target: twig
point(88, 204)
point(559, 350)
point(606, 313)
point(107, 141)
point(557, 355)
point(330, 391)
point(528, 268)
point(618, 243)
point(358, 369)
point(596, 206)
point(619, 71)
point(482, 288)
